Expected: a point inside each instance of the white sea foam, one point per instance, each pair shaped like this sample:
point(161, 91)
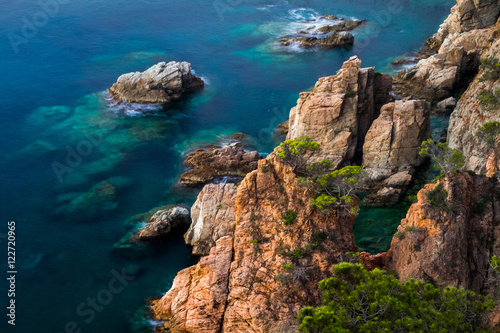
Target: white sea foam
point(266, 7)
point(131, 109)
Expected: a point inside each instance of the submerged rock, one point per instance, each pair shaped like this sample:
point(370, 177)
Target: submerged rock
point(163, 83)
point(227, 161)
point(213, 217)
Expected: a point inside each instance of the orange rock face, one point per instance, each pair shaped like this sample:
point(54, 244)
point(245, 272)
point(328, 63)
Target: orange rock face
point(260, 280)
point(338, 112)
point(450, 234)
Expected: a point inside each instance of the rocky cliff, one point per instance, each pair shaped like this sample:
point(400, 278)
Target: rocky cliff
point(257, 280)
point(462, 38)
point(213, 216)
point(340, 109)
point(450, 234)
point(471, 113)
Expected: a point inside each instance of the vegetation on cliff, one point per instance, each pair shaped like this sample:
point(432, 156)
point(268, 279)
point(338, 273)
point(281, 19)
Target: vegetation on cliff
point(334, 189)
point(357, 300)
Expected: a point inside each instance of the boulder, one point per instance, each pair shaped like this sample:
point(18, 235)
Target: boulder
point(163, 83)
point(447, 106)
point(393, 140)
point(215, 162)
point(213, 217)
point(336, 39)
point(163, 222)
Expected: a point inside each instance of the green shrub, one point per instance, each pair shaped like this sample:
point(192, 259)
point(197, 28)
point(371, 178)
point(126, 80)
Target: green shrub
point(411, 228)
point(293, 152)
point(270, 198)
point(438, 198)
point(290, 217)
point(445, 159)
point(357, 300)
point(480, 207)
point(282, 278)
point(399, 235)
point(254, 241)
point(336, 189)
point(318, 238)
point(413, 198)
point(491, 69)
point(350, 94)
point(219, 206)
point(288, 267)
point(297, 254)
point(489, 99)
point(265, 168)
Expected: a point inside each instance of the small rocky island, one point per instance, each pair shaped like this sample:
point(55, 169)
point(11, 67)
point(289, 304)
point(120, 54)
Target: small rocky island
point(163, 83)
point(335, 34)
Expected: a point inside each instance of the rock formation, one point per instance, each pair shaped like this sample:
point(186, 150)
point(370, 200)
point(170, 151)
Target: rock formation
point(336, 39)
point(334, 34)
point(470, 114)
point(466, 15)
point(433, 78)
point(259, 280)
point(213, 216)
point(227, 161)
point(465, 35)
point(394, 137)
point(340, 109)
point(163, 222)
point(196, 302)
point(163, 83)
point(450, 234)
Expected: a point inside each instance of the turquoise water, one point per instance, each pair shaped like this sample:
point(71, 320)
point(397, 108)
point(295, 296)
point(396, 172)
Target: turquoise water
point(53, 100)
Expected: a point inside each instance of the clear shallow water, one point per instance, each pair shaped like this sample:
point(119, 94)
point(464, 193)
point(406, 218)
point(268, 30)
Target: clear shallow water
point(53, 98)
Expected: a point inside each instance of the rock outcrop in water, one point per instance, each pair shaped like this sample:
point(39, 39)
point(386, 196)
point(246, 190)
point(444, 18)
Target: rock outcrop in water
point(244, 284)
point(450, 234)
point(213, 216)
point(335, 34)
point(164, 83)
point(162, 223)
point(228, 161)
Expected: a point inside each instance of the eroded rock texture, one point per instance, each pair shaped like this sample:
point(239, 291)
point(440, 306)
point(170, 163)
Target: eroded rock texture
point(256, 293)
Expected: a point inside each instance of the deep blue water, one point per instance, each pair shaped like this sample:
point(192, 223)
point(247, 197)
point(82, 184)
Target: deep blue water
point(53, 83)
